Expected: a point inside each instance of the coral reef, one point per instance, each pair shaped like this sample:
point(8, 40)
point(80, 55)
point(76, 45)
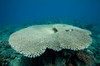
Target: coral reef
point(3, 61)
point(64, 57)
point(33, 41)
point(85, 57)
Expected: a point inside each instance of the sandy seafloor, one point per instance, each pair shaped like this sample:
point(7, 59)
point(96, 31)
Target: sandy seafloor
point(87, 57)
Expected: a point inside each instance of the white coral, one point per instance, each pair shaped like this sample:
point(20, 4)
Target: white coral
point(34, 40)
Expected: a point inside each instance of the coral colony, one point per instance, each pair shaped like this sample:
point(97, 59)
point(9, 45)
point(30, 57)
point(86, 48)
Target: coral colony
point(33, 41)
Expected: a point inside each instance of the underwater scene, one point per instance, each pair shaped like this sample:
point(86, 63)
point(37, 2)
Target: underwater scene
point(49, 32)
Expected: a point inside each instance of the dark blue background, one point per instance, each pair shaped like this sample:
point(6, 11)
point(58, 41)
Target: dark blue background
point(19, 11)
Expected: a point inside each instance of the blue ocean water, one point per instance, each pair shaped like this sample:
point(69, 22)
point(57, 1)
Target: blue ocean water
point(19, 14)
point(20, 11)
